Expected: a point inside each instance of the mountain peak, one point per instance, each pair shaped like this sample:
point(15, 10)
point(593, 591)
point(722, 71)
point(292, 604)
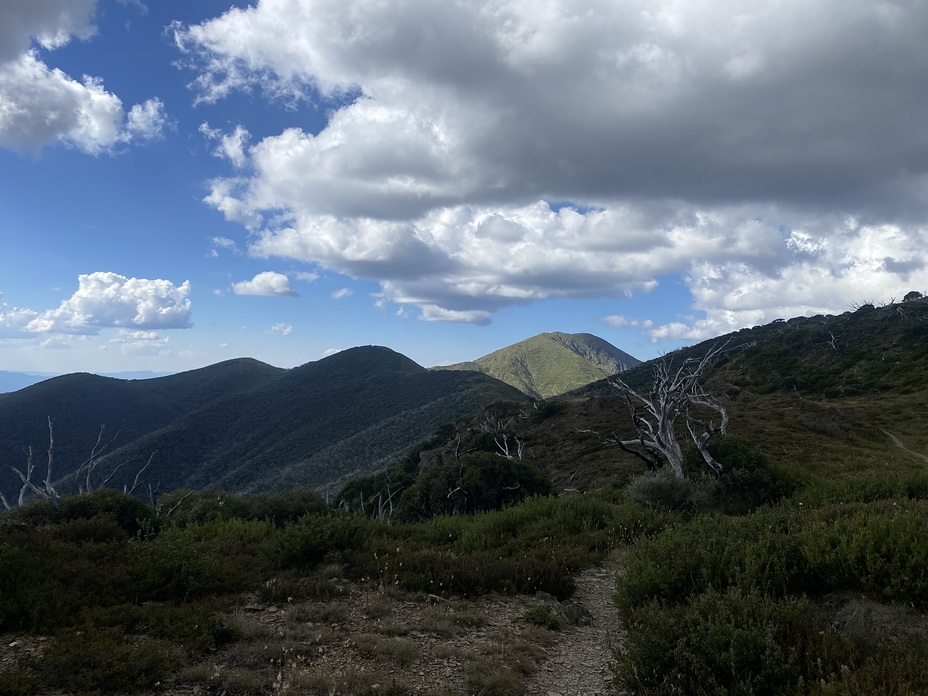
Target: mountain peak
point(552, 363)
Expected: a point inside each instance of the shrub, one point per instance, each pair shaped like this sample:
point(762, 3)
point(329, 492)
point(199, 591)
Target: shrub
point(747, 480)
point(17, 683)
point(208, 506)
point(129, 513)
point(734, 642)
point(308, 542)
point(663, 491)
point(543, 615)
point(93, 661)
point(479, 481)
point(221, 556)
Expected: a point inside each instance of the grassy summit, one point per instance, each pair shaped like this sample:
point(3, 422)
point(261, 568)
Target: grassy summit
point(552, 363)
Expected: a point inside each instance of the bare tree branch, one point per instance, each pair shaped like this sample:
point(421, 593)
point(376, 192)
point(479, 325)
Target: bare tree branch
point(655, 414)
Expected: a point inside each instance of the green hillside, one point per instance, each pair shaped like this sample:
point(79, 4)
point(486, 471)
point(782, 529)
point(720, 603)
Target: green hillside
point(552, 363)
point(243, 425)
point(80, 403)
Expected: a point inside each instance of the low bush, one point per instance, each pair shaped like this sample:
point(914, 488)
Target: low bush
point(747, 479)
point(198, 560)
point(662, 490)
point(545, 616)
point(881, 548)
point(314, 539)
point(94, 661)
point(734, 642)
point(472, 483)
point(126, 511)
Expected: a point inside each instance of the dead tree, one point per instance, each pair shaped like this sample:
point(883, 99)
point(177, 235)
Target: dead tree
point(676, 399)
point(47, 490)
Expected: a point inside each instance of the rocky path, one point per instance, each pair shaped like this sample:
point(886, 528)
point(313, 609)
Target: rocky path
point(898, 443)
point(578, 664)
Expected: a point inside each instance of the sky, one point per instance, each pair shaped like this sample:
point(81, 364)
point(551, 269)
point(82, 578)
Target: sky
point(187, 182)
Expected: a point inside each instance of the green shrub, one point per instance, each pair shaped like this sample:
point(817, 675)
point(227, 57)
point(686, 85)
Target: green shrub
point(888, 669)
point(474, 482)
point(129, 513)
point(543, 615)
point(205, 506)
point(312, 539)
point(194, 627)
point(492, 678)
point(198, 560)
point(17, 683)
point(734, 642)
point(99, 661)
point(747, 480)
point(662, 490)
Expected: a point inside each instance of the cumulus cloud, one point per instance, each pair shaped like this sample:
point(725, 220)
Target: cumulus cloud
point(51, 23)
point(341, 293)
point(727, 142)
point(40, 105)
point(223, 243)
point(145, 121)
point(230, 146)
point(268, 284)
point(105, 300)
point(619, 322)
point(140, 342)
point(283, 328)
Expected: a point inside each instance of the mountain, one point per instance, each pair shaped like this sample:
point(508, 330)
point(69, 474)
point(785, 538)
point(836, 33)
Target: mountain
point(552, 363)
point(243, 425)
point(14, 381)
point(836, 395)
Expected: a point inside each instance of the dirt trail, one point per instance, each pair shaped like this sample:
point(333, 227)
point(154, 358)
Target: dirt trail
point(578, 664)
point(898, 443)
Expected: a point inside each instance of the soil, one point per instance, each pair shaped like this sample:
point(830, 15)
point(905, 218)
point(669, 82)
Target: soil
point(579, 663)
point(368, 639)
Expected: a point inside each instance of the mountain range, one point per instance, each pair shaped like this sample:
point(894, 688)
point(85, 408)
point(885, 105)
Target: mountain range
point(246, 426)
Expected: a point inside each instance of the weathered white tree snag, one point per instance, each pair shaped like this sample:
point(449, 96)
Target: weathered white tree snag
point(673, 396)
point(86, 469)
point(47, 490)
point(82, 475)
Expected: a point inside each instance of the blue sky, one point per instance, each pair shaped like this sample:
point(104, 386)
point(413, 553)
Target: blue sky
point(186, 182)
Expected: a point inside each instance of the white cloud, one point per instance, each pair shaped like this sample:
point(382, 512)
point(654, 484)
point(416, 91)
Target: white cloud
point(332, 351)
point(224, 243)
point(52, 23)
point(145, 121)
point(105, 300)
point(829, 270)
point(434, 313)
point(13, 320)
point(619, 322)
point(305, 276)
point(268, 284)
point(730, 142)
point(282, 328)
point(140, 342)
point(137, 4)
point(230, 146)
point(40, 105)
point(341, 293)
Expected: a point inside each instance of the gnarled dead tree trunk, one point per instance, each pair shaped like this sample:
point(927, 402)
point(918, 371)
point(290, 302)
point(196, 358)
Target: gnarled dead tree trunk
point(676, 401)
